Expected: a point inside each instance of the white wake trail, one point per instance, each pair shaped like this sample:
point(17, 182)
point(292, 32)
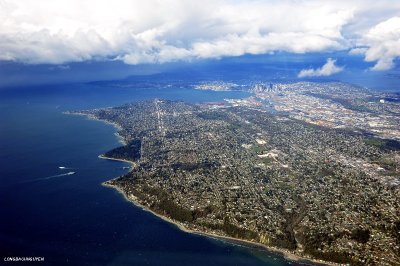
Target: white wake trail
point(46, 178)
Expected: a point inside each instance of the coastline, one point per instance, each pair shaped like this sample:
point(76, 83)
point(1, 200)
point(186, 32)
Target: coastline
point(102, 156)
point(286, 254)
point(92, 117)
point(282, 252)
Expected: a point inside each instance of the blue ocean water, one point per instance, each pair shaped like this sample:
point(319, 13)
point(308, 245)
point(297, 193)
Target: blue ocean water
point(72, 219)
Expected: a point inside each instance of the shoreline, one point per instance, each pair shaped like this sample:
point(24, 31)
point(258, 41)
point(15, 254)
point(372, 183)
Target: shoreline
point(92, 117)
point(249, 244)
point(102, 156)
point(237, 241)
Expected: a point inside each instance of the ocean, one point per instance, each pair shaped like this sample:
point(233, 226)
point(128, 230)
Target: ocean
point(71, 219)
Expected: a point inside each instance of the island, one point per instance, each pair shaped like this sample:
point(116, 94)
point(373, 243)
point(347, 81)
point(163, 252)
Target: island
point(308, 169)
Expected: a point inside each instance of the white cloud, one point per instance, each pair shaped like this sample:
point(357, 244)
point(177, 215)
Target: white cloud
point(358, 51)
point(383, 44)
point(326, 70)
point(153, 31)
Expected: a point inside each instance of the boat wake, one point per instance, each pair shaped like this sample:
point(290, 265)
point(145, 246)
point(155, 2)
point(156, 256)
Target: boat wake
point(47, 178)
point(53, 176)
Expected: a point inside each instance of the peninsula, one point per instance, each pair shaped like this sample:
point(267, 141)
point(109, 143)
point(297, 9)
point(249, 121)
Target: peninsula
point(272, 178)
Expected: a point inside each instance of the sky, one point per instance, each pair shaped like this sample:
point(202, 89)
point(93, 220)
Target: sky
point(59, 34)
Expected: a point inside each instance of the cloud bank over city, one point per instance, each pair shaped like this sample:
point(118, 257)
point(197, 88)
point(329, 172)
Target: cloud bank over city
point(137, 32)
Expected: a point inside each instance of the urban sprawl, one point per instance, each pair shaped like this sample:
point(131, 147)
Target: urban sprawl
point(309, 168)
